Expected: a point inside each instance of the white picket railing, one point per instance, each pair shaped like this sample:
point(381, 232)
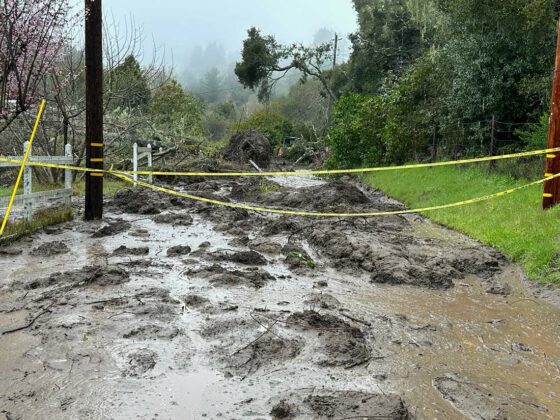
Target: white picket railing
point(28, 201)
point(139, 153)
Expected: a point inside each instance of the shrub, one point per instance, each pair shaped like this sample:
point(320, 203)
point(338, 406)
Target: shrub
point(271, 124)
point(355, 137)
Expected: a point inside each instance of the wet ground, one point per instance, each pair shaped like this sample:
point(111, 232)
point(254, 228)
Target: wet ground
point(176, 310)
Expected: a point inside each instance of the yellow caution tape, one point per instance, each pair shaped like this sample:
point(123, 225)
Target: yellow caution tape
point(302, 173)
point(345, 215)
point(21, 169)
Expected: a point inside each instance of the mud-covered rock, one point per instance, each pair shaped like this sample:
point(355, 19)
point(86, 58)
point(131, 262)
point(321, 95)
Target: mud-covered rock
point(340, 343)
point(50, 249)
point(322, 301)
point(195, 301)
point(297, 257)
point(174, 219)
point(283, 410)
point(241, 257)
point(499, 288)
point(266, 351)
point(112, 229)
point(140, 362)
point(281, 225)
point(178, 251)
point(265, 246)
point(124, 251)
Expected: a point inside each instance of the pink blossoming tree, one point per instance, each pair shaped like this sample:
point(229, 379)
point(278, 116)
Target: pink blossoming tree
point(32, 36)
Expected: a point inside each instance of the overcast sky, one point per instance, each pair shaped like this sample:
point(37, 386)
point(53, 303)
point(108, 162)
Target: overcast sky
point(180, 25)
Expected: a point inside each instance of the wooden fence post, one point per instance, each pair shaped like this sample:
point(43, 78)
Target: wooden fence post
point(27, 188)
point(135, 163)
point(68, 175)
point(552, 187)
point(150, 165)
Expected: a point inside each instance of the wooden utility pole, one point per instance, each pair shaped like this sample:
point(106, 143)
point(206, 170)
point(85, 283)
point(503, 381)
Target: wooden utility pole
point(335, 50)
point(552, 188)
point(94, 108)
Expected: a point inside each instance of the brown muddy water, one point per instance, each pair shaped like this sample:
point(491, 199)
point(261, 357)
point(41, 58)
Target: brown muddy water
point(171, 310)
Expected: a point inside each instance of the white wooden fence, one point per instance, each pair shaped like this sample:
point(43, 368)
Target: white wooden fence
point(28, 201)
point(138, 154)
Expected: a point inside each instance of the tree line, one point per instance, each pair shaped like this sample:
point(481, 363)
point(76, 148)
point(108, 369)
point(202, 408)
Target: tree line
point(426, 78)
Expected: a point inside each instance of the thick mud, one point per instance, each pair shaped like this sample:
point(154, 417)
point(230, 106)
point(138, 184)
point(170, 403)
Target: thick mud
point(172, 309)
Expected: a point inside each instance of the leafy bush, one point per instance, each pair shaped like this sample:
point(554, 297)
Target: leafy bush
point(355, 136)
point(535, 137)
point(271, 124)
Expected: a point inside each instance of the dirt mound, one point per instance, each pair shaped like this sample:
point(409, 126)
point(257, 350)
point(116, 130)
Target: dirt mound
point(268, 350)
point(249, 145)
point(93, 275)
point(340, 344)
point(50, 249)
point(141, 201)
point(327, 404)
point(332, 197)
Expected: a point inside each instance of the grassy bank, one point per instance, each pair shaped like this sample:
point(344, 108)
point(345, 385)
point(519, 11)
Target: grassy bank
point(514, 224)
point(41, 219)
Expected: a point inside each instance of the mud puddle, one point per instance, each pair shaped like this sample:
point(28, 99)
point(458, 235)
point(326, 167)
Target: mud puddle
point(253, 316)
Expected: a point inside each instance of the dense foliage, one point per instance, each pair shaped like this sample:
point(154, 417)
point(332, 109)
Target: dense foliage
point(436, 72)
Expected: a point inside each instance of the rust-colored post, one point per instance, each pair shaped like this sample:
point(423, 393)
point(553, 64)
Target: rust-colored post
point(552, 188)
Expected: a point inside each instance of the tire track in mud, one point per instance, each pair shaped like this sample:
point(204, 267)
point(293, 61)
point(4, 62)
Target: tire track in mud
point(182, 309)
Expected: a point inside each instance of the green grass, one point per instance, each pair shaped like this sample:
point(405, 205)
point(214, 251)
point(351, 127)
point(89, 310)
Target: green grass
point(5, 192)
point(110, 187)
point(41, 219)
point(515, 224)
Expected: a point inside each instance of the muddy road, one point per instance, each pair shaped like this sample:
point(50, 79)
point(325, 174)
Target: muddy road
point(178, 310)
